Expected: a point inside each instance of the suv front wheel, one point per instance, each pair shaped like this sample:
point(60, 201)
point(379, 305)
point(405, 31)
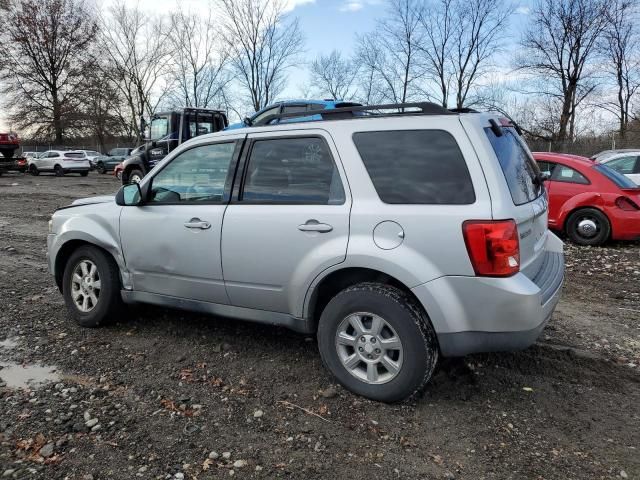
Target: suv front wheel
point(378, 342)
point(91, 287)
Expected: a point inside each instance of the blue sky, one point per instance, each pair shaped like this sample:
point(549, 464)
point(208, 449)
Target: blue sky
point(334, 24)
point(328, 25)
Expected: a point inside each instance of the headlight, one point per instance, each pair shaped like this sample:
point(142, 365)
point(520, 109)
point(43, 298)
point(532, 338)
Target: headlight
point(51, 226)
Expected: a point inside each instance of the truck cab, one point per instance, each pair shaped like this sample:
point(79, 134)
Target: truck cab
point(166, 131)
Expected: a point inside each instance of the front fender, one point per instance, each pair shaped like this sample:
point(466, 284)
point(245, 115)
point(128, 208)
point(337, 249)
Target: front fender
point(93, 229)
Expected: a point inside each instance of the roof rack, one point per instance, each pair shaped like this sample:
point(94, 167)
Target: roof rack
point(424, 108)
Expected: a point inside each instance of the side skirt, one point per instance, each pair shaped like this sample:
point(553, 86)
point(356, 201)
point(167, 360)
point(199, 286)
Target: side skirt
point(300, 325)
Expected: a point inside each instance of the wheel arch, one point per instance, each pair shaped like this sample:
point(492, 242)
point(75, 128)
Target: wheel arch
point(323, 290)
point(563, 225)
point(65, 251)
point(583, 200)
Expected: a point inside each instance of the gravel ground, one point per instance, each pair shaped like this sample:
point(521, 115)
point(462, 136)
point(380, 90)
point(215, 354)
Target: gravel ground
point(169, 395)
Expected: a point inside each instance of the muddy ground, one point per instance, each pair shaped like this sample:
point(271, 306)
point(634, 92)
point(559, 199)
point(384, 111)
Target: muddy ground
point(168, 395)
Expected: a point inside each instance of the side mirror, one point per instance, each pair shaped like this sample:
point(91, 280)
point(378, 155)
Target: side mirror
point(544, 176)
point(129, 195)
point(247, 121)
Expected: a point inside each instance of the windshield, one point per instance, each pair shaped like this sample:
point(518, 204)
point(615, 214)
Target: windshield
point(616, 177)
point(159, 128)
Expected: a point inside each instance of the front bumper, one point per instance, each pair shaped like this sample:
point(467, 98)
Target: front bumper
point(482, 314)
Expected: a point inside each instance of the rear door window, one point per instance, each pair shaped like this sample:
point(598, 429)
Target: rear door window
point(292, 171)
point(563, 173)
point(519, 168)
point(416, 167)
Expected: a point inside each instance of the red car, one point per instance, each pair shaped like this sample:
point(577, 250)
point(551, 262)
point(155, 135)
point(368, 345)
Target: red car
point(117, 171)
point(589, 201)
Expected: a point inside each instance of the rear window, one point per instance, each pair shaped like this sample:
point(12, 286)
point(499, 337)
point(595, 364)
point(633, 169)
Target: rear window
point(74, 155)
point(616, 177)
point(519, 168)
point(416, 167)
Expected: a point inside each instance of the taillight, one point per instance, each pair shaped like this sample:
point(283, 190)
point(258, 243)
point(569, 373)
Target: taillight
point(625, 203)
point(493, 246)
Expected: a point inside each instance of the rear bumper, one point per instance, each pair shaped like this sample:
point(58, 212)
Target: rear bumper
point(625, 225)
point(482, 314)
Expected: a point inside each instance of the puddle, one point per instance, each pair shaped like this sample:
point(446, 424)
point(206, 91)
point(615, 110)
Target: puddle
point(30, 376)
point(8, 344)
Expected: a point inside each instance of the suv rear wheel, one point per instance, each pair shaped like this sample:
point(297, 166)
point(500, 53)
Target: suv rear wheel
point(378, 342)
point(91, 287)
point(588, 226)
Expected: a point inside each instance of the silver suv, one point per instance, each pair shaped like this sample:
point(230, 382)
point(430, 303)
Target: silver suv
point(395, 237)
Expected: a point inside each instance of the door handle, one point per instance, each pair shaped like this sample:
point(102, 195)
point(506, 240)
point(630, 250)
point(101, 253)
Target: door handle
point(315, 226)
point(197, 223)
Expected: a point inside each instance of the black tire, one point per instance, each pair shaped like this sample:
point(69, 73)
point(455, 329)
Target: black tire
point(133, 173)
point(84, 174)
point(58, 171)
point(577, 233)
point(110, 305)
point(33, 170)
point(411, 325)
point(100, 168)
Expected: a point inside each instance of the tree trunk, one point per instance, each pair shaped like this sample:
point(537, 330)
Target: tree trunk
point(57, 116)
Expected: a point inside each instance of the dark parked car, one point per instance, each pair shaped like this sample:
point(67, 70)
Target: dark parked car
point(108, 162)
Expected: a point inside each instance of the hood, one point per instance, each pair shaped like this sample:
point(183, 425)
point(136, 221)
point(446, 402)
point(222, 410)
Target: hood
point(93, 200)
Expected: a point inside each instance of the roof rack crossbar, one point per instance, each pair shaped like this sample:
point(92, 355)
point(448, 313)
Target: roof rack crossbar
point(424, 108)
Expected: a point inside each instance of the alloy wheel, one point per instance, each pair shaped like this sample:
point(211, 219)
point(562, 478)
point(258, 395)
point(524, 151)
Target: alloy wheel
point(369, 348)
point(85, 285)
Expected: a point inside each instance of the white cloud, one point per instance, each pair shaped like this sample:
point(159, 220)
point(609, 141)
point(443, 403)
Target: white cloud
point(291, 4)
point(523, 10)
point(355, 5)
point(352, 6)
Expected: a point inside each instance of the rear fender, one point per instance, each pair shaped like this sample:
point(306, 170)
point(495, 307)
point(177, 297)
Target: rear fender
point(582, 200)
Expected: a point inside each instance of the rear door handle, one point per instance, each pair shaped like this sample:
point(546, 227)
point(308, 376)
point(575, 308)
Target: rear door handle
point(197, 223)
point(315, 226)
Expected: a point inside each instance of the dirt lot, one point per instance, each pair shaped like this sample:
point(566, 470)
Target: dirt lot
point(169, 395)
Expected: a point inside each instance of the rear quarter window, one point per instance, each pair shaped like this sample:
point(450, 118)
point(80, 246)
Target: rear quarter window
point(519, 168)
point(416, 167)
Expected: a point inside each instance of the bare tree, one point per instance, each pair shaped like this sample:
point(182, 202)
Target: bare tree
point(478, 37)
point(137, 54)
point(620, 46)
point(394, 48)
point(101, 110)
point(439, 22)
point(199, 59)
point(335, 76)
point(46, 49)
point(558, 49)
point(368, 59)
point(263, 44)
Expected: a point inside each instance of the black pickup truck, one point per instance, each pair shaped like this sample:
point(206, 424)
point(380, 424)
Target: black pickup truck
point(166, 131)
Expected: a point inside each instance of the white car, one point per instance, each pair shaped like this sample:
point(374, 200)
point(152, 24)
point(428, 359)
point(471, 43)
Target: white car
point(91, 156)
point(627, 163)
point(60, 162)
